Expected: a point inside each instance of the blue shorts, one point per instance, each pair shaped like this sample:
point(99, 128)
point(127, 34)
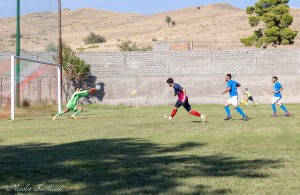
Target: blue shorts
point(186, 105)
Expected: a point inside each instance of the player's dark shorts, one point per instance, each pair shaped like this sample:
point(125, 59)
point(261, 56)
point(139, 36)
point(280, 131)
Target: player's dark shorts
point(186, 105)
point(250, 98)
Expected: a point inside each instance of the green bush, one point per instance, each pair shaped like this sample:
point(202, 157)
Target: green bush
point(249, 41)
point(132, 46)
point(92, 47)
point(52, 47)
point(93, 38)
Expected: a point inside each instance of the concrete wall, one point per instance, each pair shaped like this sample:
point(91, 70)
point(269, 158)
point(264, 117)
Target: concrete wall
point(201, 73)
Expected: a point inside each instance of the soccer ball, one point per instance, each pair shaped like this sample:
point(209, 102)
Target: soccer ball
point(98, 87)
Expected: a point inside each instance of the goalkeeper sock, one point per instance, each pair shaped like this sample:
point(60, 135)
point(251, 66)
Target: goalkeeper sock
point(193, 112)
point(61, 113)
point(173, 113)
point(77, 112)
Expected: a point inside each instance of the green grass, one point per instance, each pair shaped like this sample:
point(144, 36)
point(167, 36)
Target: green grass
point(119, 150)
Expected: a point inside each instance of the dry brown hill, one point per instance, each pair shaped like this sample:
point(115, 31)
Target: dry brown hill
point(216, 26)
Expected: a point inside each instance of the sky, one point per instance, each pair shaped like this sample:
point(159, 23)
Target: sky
point(7, 7)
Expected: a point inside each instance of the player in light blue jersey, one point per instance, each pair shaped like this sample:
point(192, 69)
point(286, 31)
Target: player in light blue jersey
point(277, 99)
point(232, 89)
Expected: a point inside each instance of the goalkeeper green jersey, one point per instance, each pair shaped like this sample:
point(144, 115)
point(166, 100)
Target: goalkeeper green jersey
point(72, 104)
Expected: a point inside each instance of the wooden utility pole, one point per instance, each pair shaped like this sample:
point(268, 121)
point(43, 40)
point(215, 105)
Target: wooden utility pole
point(18, 53)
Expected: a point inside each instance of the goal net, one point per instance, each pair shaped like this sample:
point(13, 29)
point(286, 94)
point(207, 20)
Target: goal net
point(29, 88)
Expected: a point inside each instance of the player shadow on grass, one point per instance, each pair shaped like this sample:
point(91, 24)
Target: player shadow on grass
point(239, 119)
point(233, 119)
point(121, 166)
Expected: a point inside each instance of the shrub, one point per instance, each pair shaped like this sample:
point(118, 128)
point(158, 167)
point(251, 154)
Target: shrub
point(154, 39)
point(52, 47)
point(92, 47)
point(14, 35)
point(80, 49)
point(93, 38)
point(132, 46)
point(25, 103)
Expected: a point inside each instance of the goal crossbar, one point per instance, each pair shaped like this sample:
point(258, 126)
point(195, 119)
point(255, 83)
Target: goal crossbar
point(13, 88)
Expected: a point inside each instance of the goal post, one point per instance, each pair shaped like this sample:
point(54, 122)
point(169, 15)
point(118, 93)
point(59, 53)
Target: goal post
point(14, 85)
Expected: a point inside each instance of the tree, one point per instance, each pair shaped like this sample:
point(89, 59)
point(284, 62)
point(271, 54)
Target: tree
point(76, 70)
point(173, 23)
point(272, 19)
point(168, 20)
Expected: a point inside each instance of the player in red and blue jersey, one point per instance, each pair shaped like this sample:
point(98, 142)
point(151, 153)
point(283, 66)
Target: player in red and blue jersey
point(277, 99)
point(232, 89)
point(182, 101)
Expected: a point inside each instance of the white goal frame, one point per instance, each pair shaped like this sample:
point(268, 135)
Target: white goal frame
point(13, 82)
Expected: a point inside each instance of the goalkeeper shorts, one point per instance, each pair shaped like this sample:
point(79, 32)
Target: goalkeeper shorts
point(72, 107)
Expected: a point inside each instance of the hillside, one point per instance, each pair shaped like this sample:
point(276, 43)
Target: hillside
point(216, 26)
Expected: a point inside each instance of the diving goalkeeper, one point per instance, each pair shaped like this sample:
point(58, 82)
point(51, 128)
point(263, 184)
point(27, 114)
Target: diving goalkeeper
point(72, 104)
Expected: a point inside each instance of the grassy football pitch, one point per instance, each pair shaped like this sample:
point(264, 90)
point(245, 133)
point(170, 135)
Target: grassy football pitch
point(117, 150)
